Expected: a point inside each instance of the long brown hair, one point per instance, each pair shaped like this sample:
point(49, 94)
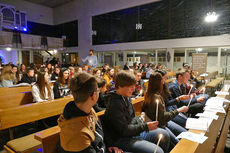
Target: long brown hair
point(155, 86)
point(108, 72)
point(42, 84)
point(7, 73)
point(61, 80)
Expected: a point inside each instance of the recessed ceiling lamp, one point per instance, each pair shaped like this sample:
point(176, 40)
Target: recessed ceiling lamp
point(211, 17)
point(199, 49)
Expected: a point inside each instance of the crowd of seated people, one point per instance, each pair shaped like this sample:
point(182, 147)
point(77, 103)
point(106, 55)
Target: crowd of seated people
point(112, 89)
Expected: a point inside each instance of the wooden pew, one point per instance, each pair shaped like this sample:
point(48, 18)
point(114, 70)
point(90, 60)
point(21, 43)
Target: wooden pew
point(13, 90)
point(211, 75)
point(169, 80)
point(14, 100)
point(11, 117)
point(15, 96)
point(215, 83)
point(14, 116)
point(171, 74)
point(50, 137)
point(217, 135)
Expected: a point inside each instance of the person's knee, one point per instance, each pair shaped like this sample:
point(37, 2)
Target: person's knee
point(165, 134)
point(159, 150)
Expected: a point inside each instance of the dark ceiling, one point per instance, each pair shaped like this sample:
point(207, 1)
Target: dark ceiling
point(50, 3)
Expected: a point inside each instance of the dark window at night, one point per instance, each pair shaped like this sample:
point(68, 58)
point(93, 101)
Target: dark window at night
point(69, 30)
point(167, 19)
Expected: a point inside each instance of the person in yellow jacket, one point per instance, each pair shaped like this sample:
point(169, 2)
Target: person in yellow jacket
point(81, 130)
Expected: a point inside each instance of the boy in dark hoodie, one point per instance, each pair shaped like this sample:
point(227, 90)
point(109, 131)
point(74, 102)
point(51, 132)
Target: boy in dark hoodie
point(81, 131)
point(127, 131)
point(28, 77)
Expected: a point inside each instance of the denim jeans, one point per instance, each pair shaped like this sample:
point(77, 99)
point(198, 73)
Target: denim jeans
point(145, 142)
point(206, 96)
point(174, 130)
point(180, 119)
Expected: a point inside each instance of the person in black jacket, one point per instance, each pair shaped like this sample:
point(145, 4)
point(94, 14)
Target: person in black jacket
point(28, 77)
point(177, 88)
point(139, 85)
point(55, 73)
point(127, 131)
point(100, 105)
point(61, 86)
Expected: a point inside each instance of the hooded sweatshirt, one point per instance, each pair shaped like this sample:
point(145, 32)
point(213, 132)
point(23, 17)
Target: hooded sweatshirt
point(80, 132)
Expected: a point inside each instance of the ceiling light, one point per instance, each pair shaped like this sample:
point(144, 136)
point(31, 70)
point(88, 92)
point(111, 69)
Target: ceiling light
point(55, 51)
point(199, 49)
point(211, 17)
point(138, 26)
point(8, 49)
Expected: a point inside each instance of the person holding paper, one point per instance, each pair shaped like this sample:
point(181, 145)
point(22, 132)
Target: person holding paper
point(154, 106)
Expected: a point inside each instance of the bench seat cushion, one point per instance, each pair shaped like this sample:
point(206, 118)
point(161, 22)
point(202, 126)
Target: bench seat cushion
point(23, 144)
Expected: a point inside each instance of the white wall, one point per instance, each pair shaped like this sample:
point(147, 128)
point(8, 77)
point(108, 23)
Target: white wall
point(35, 13)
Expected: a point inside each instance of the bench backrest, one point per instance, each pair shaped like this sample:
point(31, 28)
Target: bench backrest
point(171, 74)
point(9, 91)
point(15, 99)
point(50, 137)
point(31, 112)
point(212, 75)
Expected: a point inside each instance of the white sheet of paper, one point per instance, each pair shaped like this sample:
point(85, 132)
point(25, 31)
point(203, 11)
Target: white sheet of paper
point(200, 138)
point(212, 108)
point(206, 114)
point(213, 101)
point(222, 93)
point(204, 75)
point(198, 123)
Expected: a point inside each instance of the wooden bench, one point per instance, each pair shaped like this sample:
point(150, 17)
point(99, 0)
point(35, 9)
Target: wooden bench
point(11, 117)
point(50, 137)
point(14, 100)
point(23, 114)
point(217, 135)
point(210, 76)
point(214, 85)
point(13, 90)
point(169, 80)
point(26, 144)
point(171, 74)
